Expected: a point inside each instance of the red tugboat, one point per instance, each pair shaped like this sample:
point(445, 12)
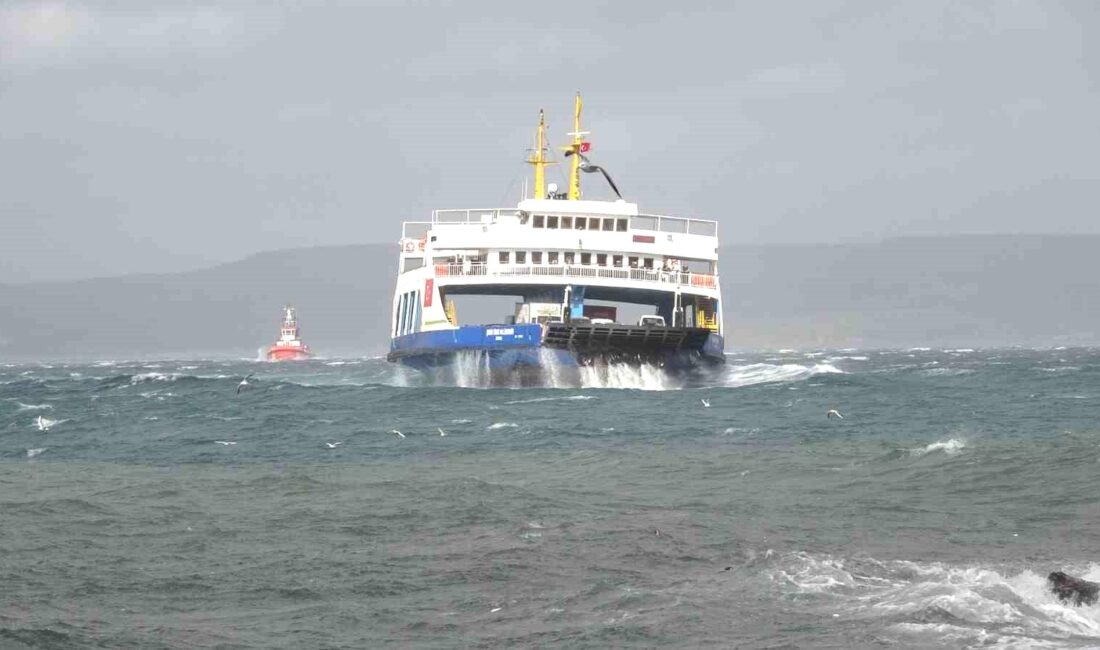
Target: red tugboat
point(289, 347)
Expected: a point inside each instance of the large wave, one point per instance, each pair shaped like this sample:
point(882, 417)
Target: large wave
point(937, 603)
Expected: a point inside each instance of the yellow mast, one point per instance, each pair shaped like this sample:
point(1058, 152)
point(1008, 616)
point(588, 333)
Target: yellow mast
point(538, 159)
point(575, 152)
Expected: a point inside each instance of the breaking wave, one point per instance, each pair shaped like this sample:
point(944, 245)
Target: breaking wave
point(950, 447)
point(761, 373)
point(938, 603)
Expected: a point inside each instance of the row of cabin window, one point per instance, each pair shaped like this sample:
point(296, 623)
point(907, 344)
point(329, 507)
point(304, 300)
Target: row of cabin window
point(579, 223)
point(570, 257)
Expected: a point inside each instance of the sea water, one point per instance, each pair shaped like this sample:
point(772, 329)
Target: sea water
point(154, 506)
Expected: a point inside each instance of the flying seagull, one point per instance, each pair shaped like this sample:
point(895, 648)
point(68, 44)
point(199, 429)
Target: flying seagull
point(706, 403)
point(587, 166)
point(333, 445)
point(833, 413)
point(244, 383)
point(441, 432)
point(398, 433)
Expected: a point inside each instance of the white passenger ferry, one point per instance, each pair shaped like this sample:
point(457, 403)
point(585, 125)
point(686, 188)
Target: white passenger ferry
point(574, 266)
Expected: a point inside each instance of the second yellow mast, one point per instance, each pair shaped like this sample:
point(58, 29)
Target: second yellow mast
point(574, 150)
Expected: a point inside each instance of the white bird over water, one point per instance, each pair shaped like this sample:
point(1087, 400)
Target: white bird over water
point(398, 433)
point(441, 432)
point(44, 424)
point(833, 413)
point(706, 403)
point(244, 383)
point(224, 442)
point(333, 445)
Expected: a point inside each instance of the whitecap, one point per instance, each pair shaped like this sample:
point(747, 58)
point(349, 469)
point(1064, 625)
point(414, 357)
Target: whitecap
point(551, 399)
point(154, 376)
point(33, 407)
point(946, 372)
point(461, 421)
point(760, 373)
point(502, 425)
point(993, 607)
point(31, 453)
point(950, 447)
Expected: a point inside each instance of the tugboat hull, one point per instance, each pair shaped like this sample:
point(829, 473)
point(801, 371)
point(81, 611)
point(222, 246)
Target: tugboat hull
point(287, 354)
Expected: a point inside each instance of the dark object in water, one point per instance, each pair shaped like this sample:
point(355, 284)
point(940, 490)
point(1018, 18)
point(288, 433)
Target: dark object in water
point(1075, 590)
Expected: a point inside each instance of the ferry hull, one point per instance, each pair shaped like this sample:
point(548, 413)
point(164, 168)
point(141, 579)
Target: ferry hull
point(511, 354)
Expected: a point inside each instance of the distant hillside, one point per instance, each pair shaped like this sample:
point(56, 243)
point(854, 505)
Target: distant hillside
point(962, 291)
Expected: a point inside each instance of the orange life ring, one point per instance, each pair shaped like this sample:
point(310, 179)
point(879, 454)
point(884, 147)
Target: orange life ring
point(409, 247)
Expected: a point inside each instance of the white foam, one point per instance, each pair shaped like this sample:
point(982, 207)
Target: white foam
point(551, 399)
point(154, 376)
point(950, 447)
point(502, 425)
point(986, 606)
point(31, 453)
point(33, 407)
point(946, 372)
point(760, 373)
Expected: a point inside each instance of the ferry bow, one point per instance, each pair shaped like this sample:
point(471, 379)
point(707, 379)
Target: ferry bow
point(574, 266)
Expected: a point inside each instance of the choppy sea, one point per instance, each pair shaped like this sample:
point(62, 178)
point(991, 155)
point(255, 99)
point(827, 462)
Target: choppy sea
point(152, 506)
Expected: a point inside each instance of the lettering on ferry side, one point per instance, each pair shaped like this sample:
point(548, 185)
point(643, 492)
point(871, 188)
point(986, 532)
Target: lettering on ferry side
point(645, 239)
point(500, 331)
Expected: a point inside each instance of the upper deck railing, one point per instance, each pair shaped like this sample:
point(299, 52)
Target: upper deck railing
point(650, 222)
point(688, 279)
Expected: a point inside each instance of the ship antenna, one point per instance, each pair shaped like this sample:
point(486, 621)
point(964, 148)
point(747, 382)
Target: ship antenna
point(575, 149)
point(538, 159)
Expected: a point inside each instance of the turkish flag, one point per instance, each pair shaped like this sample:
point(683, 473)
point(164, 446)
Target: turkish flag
point(585, 146)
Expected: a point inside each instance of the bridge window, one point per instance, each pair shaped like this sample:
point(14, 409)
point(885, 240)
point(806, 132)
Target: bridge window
point(609, 225)
point(633, 262)
point(647, 263)
point(552, 222)
point(537, 221)
point(536, 257)
point(569, 257)
point(580, 223)
point(586, 258)
point(566, 223)
point(601, 259)
point(617, 261)
point(504, 257)
point(521, 257)
point(620, 225)
point(552, 257)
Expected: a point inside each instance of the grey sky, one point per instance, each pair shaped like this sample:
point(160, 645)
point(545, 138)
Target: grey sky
point(153, 136)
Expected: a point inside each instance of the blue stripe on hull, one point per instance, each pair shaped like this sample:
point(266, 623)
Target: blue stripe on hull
point(467, 337)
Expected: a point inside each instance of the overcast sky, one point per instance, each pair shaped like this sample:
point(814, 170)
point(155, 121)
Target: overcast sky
point(160, 136)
